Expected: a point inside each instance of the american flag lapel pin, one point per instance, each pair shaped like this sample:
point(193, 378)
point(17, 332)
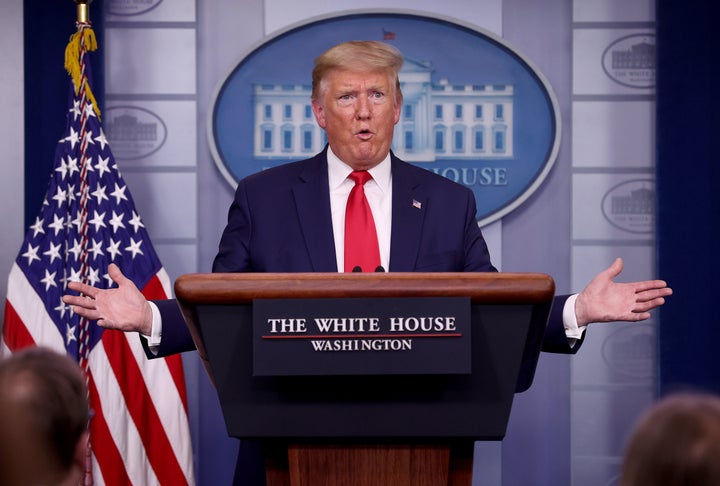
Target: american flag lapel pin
point(416, 204)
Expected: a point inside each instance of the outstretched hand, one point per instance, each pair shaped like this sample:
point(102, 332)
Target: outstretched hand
point(123, 308)
point(606, 301)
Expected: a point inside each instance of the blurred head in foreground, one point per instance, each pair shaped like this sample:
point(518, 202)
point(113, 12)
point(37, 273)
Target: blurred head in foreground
point(43, 419)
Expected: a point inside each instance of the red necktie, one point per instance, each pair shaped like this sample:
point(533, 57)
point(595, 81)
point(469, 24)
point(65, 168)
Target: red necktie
point(361, 244)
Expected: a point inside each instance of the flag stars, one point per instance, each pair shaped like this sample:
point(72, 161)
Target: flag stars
point(58, 224)
point(62, 168)
point(101, 138)
point(79, 193)
point(87, 138)
point(78, 221)
point(93, 276)
point(113, 249)
point(31, 254)
point(74, 276)
point(72, 166)
point(99, 194)
point(60, 196)
point(96, 249)
point(119, 194)
point(102, 166)
point(63, 281)
point(75, 110)
point(76, 250)
point(109, 280)
point(73, 138)
point(62, 308)
point(98, 221)
point(116, 221)
point(37, 227)
point(71, 194)
point(134, 248)
point(70, 334)
point(53, 252)
point(49, 280)
point(135, 222)
point(89, 110)
point(87, 165)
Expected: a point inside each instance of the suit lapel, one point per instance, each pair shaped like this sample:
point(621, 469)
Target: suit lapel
point(312, 200)
point(409, 201)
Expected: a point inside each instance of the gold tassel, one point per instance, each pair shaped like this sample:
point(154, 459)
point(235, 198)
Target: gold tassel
point(72, 61)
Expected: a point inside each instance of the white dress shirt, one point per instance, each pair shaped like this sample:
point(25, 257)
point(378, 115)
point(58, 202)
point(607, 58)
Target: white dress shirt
point(378, 192)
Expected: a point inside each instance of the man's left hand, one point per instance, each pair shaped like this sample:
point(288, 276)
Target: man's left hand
point(603, 300)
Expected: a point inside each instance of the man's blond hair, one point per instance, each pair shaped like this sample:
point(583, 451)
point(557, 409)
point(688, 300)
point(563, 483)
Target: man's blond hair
point(371, 56)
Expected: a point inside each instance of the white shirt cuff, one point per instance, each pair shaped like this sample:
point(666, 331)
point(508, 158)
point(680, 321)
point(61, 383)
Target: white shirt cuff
point(572, 331)
point(156, 330)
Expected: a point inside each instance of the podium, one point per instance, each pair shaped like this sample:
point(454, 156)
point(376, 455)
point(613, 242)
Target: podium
point(378, 429)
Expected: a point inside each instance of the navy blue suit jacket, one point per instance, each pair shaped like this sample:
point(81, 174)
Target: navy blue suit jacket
point(280, 221)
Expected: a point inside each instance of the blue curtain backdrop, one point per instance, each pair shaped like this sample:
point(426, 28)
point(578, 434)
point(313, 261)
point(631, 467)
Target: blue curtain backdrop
point(47, 28)
point(688, 176)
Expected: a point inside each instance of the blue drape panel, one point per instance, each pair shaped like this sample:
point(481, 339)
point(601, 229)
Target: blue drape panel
point(688, 182)
point(47, 27)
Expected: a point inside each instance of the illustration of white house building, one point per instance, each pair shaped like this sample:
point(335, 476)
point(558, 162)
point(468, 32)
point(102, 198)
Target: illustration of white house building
point(438, 121)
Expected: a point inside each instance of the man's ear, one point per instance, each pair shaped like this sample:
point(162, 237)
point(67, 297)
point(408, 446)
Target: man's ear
point(81, 449)
point(319, 113)
point(398, 107)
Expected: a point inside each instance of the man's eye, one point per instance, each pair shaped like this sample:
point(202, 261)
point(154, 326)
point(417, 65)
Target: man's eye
point(346, 100)
point(378, 95)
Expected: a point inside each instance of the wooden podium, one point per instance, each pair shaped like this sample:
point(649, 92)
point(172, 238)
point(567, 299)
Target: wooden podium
point(374, 430)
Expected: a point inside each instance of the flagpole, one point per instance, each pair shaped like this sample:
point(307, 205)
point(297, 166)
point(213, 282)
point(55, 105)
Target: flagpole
point(75, 62)
point(83, 22)
point(83, 11)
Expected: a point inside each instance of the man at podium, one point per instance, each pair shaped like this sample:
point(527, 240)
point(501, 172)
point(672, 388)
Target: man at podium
point(302, 217)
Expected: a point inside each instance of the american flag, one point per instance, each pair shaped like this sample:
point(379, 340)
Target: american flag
point(139, 433)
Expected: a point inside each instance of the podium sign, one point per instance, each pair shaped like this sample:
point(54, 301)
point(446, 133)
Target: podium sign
point(373, 336)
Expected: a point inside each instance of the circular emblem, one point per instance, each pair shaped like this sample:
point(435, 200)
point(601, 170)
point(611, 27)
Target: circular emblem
point(474, 109)
point(134, 132)
point(630, 61)
point(129, 7)
point(630, 351)
point(630, 206)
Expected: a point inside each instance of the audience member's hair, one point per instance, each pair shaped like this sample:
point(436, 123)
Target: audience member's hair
point(43, 418)
point(676, 442)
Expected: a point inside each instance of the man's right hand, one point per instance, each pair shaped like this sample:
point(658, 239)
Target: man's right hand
point(123, 308)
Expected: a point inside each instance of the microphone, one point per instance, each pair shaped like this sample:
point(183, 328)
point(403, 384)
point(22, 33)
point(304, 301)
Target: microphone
point(379, 269)
point(357, 268)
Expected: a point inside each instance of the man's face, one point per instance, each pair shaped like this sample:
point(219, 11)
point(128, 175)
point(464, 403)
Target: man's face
point(358, 111)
